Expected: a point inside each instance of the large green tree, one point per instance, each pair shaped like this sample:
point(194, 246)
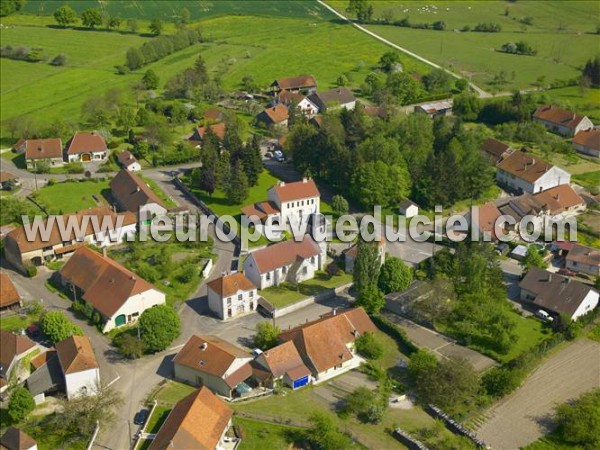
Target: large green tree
point(266, 336)
point(395, 276)
point(65, 16)
point(159, 326)
point(366, 265)
point(91, 18)
point(57, 327)
point(21, 403)
point(579, 422)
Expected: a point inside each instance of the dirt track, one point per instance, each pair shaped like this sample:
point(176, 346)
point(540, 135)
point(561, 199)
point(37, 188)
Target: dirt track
point(524, 416)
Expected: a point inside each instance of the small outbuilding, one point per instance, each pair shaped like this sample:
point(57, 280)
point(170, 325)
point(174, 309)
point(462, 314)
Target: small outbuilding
point(408, 208)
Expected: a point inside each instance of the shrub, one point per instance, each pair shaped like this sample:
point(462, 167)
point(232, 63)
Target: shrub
point(31, 270)
point(59, 60)
point(368, 345)
point(267, 335)
point(395, 276)
point(129, 345)
point(159, 326)
point(339, 205)
point(20, 405)
point(57, 327)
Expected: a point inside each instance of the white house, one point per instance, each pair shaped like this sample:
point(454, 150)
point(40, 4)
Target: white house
point(289, 260)
point(86, 147)
point(119, 295)
point(521, 172)
point(79, 366)
point(133, 195)
point(557, 294)
point(408, 208)
point(198, 421)
point(295, 200)
point(561, 121)
point(587, 142)
point(341, 97)
point(302, 103)
point(583, 259)
point(231, 295)
point(128, 161)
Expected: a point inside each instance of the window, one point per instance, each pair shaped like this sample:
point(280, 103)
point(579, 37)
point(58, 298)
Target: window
point(304, 271)
point(228, 300)
point(47, 249)
point(312, 259)
point(251, 294)
point(240, 296)
point(268, 276)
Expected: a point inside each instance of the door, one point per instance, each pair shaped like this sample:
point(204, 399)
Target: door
point(120, 320)
point(86, 157)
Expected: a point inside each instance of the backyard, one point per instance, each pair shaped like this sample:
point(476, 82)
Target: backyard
point(68, 197)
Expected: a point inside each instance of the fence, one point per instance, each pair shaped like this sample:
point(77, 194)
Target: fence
point(454, 426)
point(409, 441)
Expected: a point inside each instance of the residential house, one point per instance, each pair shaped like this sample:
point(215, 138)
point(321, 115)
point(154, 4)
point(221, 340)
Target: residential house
point(351, 253)
point(583, 259)
point(86, 147)
point(133, 195)
point(557, 294)
point(326, 345)
point(212, 362)
point(79, 366)
point(587, 142)
point(9, 296)
point(213, 115)
point(19, 146)
point(119, 295)
point(218, 129)
point(8, 181)
point(231, 295)
point(198, 421)
point(112, 229)
point(286, 261)
point(561, 121)
point(16, 439)
point(47, 150)
point(341, 97)
point(285, 366)
point(13, 348)
point(275, 116)
point(495, 150)
point(128, 162)
point(304, 84)
point(376, 111)
point(521, 172)
point(408, 208)
point(485, 219)
point(302, 103)
point(435, 109)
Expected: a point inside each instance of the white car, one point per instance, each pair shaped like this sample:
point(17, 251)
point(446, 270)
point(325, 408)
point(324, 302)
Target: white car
point(544, 315)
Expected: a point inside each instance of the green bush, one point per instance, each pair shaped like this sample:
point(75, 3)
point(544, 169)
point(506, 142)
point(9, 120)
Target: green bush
point(159, 326)
point(57, 327)
point(398, 334)
point(31, 270)
point(368, 346)
point(21, 403)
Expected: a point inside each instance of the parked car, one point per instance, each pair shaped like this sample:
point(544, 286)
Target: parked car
point(544, 315)
point(278, 155)
point(140, 417)
point(566, 272)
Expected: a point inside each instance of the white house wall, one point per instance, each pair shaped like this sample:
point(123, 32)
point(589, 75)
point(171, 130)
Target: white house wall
point(88, 379)
point(136, 304)
point(588, 304)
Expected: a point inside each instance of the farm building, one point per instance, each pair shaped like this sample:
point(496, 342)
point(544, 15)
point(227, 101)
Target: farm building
point(582, 259)
point(557, 294)
point(304, 84)
point(86, 147)
point(90, 276)
point(231, 295)
point(275, 116)
point(587, 142)
point(520, 172)
point(561, 121)
point(435, 109)
point(133, 195)
point(47, 150)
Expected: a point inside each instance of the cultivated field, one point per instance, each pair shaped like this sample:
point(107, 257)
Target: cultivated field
point(561, 32)
point(524, 416)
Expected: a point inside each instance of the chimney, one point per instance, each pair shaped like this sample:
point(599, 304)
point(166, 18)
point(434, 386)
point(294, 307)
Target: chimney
point(204, 346)
point(104, 251)
point(549, 277)
point(137, 189)
point(304, 180)
point(335, 311)
point(281, 183)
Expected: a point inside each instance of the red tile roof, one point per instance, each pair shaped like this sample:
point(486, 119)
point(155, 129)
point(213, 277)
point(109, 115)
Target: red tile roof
point(285, 359)
point(299, 82)
point(196, 422)
point(495, 148)
point(131, 191)
point(5, 176)
point(299, 190)
point(559, 198)
point(97, 275)
point(288, 97)
point(8, 292)
point(284, 253)
point(277, 113)
point(11, 346)
point(126, 158)
point(588, 138)
point(213, 115)
point(486, 220)
point(228, 285)
point(261, 210)
point(86, 142)
point(76, 354)
point(16, 439)
point(525, 166)
point(558, 116)
point(43, 148)
point(218, 130)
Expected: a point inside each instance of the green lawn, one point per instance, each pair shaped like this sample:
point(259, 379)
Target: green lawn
point(286, 293)
point(168, 201)
point(264, 435)
point(15, 323)
point(589, 180)
point(68, 197)
point(586, 101)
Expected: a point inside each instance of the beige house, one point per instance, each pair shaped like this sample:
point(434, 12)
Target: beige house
point(583, 259)
point(231, 295)
point(47, 150)
point(212, 362)
point(561, 121)
point(521, 172)
point(119, 295)
point(587, 142)
point(21, 251)
point(198, 421)
point(86, 147)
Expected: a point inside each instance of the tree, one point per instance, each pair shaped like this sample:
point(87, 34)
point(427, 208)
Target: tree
point(130, 346)
point(438, 80)
point(156, 26)
point(113, 22)
point(371, 299)
point(79, 415)
point(223, 170)
point(184, 15)
point(403, 87)
point(533, 258)
point(21, 403)
point(57, 327)
point(362, 9)
point(461, 85)
point(8, 7)
point(323, 433)
point(369, 346)
point(252, 160)
point(159, 326)
point(579, 422)
point(366, 265)
point(132, 25)
point(208, 183)
point(395, 276)
point(249, 84)
point(65, 16)
point(134, 58)
point(388, 60)
point(237, 188)
point(339, 205)
point(91, 18)
point(342, 80)
point(267, 335)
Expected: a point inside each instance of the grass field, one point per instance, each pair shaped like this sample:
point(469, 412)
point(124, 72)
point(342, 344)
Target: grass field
point(319, 46)
point(586, 102)
point(72, 196)
point(561, 33)
point(262, 435)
